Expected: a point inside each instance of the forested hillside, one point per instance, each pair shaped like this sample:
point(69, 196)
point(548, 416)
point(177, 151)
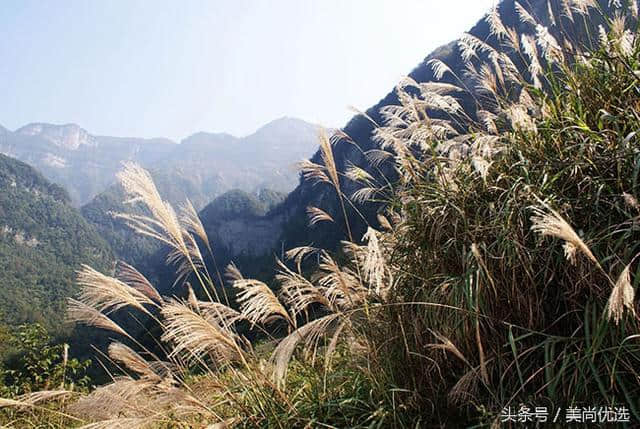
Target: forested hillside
point(43, 240)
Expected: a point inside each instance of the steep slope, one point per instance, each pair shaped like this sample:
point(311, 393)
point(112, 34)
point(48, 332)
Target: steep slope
point(360, 129)
point(200, 168)
point(237, 226)
point(43, 240)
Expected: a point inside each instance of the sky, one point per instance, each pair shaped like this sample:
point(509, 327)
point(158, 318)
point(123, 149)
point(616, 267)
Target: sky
point(151, 68)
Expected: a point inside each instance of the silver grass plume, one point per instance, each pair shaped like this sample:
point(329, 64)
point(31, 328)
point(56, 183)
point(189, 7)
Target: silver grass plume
point(621, 297)
point(317, 215)
point(195, 336)
point(79, 312)
point(310, 334)
point(259, 304)
point(548, 222)
point(298, 292)
point(107, 294)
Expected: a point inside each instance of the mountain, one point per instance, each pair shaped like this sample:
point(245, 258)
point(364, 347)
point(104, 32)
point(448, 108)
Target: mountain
point(290, 217)
point(216, 163)
point(236, 223)
point(72, 157)
point(200, 168)
point(43, 240)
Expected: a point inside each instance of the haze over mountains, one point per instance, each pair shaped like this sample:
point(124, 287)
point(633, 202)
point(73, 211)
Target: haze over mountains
point(201, 167)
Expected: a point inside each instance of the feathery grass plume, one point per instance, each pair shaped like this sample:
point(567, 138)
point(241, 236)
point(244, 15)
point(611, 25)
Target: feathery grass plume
point(107, 294)
point(548, 222)
point(439, 68)
point(326, 152)
point(297, 254)
point(364, 194)
point(496, 26)
point(342, 287)
point(317, 215)
point(132, 360)
point(33, 398)
point(357, 174)
point(122, 397)
point(621, 297)
point(192, 222)
point(233, 273)
point(582, 6)
point(465, 388)
point(374, 264)
point(441, 88)
point(470, 46)
point(219, 314)
point(551, 50)
point(259, 304)
point(79, 312)
point(195, 336)
point(298, 292)
point(313, 172)
point(488, 119)
point(192, 263)
point(447, 345)
point(11, 403)
point(520, 119)
point(531, 51)
point(566, 9)
point(376, 157)
point(131, 276)
point(310, 334)
point(163, 224)
point(524, 16)
point(631, 201)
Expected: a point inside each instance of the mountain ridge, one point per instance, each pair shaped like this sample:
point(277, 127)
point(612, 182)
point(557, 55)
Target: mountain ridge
point(294, 230)
point(86, 164)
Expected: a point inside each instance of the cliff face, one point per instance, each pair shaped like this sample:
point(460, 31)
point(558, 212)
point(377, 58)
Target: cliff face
point(294, 231)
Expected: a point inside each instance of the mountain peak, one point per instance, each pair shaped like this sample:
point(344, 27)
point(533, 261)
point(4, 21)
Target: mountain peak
point(204, 138)
point(285, 123)
point(68, 136)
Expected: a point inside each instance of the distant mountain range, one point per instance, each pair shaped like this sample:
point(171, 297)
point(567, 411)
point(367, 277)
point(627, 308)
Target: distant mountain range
point(201, 167)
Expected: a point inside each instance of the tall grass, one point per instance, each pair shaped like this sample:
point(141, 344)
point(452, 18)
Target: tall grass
point(504, 271)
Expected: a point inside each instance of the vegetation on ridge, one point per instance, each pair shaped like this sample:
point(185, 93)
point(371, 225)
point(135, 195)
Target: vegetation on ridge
point(504, 271)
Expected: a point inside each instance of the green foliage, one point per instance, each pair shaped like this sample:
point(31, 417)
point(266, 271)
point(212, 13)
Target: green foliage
point(34, 364)
point(126, 245)
point(42, 241)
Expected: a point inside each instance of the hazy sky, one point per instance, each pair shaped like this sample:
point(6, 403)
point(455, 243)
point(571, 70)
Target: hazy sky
point(171, 68)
